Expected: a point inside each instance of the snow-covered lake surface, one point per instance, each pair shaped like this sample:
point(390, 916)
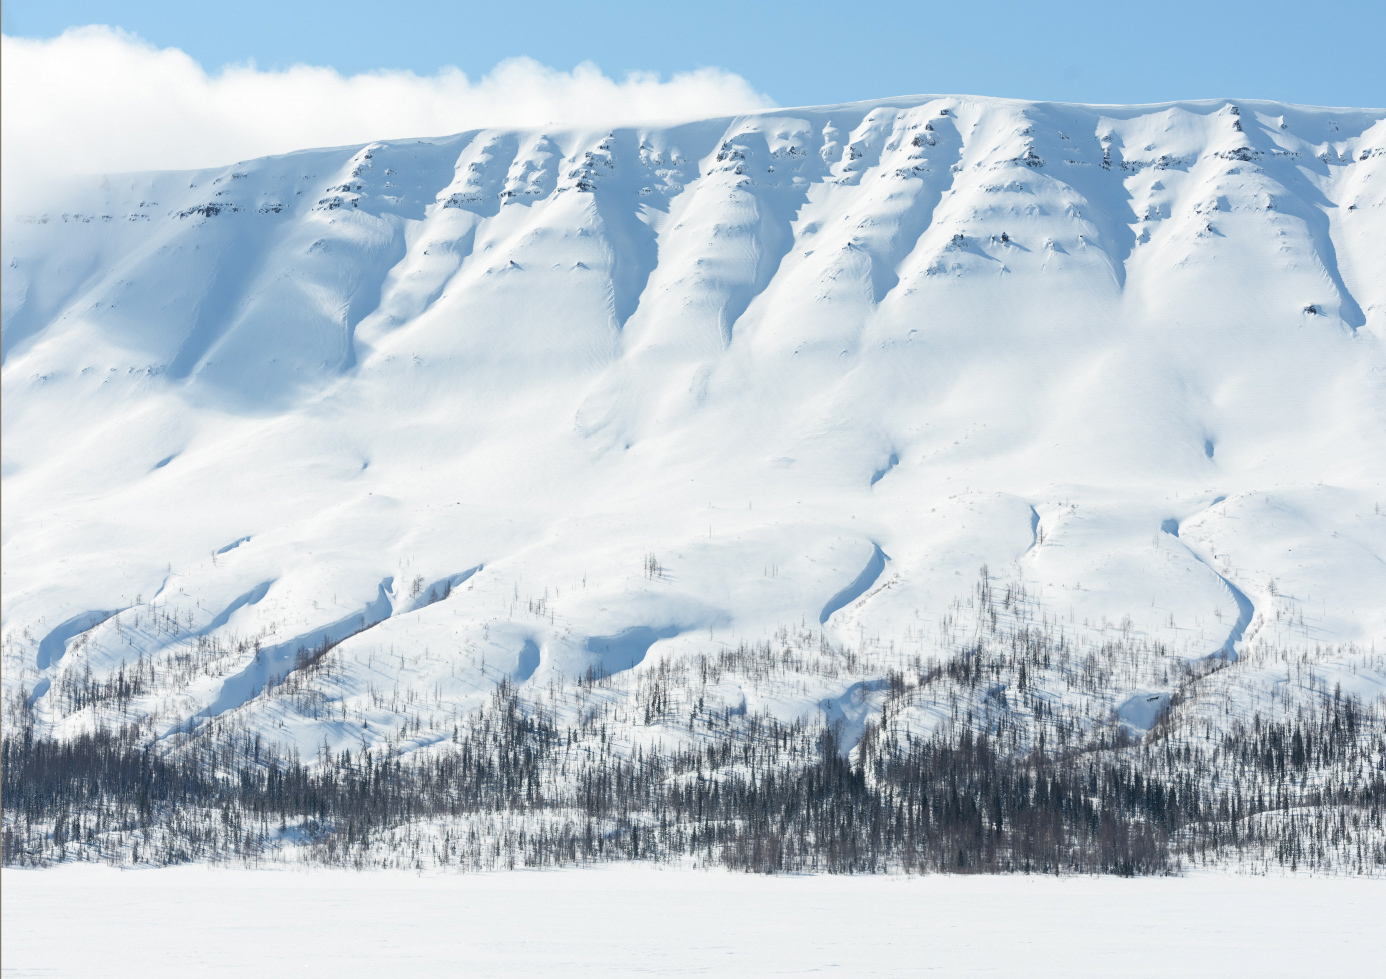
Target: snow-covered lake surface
point(196, 921)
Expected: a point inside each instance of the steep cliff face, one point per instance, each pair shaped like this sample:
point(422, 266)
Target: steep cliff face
point(532, 403)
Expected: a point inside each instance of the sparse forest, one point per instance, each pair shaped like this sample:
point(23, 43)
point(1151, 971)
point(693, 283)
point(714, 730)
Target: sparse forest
point(657, 765)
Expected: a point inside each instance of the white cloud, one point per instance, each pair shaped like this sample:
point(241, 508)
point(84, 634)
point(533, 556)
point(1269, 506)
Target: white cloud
point(97, 99)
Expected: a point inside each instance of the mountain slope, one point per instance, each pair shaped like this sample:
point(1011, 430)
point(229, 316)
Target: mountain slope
point(327, 445)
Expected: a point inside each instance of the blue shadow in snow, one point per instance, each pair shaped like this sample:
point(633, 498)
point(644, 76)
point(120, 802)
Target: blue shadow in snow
point(857, 588)
point(527, 663)
point(54, 645)
point(273, 663)
point(1245, 610)
point(626, 649)
point(251, 597)
point(891, 463)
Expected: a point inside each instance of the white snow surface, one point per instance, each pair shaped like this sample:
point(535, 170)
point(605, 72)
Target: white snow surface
point(440, 401)
point(633, 920)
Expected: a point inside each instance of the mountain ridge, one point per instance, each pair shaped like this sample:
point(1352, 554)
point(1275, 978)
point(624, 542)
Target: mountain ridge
point(751, 353)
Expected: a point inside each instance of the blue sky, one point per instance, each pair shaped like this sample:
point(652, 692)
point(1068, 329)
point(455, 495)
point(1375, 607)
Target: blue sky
point(1325, 52)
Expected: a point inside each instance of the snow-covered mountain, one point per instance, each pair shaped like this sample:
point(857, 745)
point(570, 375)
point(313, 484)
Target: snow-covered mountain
point(529, 404)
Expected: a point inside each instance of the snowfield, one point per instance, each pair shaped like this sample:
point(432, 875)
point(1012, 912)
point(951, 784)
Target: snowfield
point(634, 921)
point(441, 402)
point(1060, 423)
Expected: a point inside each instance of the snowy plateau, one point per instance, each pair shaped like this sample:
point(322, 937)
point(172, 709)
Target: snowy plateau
point(1062, 426)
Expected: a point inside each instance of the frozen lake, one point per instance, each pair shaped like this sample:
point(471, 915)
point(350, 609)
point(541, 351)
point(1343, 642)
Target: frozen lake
point(643, 921)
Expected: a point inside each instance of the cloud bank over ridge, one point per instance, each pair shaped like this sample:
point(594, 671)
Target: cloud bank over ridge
point(97, 99)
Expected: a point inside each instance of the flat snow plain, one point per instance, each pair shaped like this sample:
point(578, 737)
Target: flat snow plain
point(83, 920)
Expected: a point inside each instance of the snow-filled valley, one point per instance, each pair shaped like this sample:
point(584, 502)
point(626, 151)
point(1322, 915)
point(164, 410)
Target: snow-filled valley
point(785, 417)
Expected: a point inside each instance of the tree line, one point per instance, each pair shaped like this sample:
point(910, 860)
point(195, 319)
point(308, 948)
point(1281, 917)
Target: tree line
point(516, 789)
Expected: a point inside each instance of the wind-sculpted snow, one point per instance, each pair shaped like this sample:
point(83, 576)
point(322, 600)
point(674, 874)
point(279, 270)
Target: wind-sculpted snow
point(52, 647)
point(660, 389)
point(874, 566)
point(627, 649)
point(272, 664)
point(252, 597)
